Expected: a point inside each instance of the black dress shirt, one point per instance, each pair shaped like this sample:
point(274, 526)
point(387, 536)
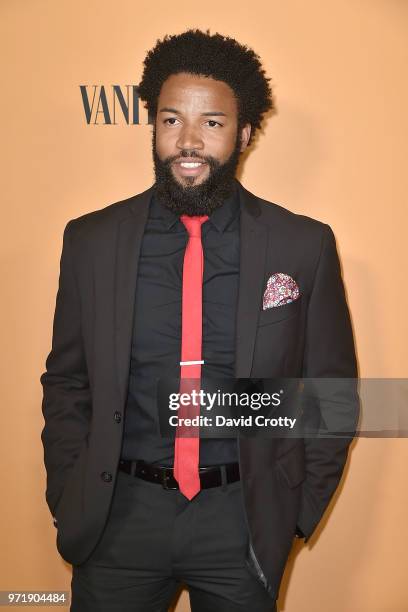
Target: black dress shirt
point(156, 339)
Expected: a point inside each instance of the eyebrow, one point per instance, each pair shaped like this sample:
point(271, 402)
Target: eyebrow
point(166, 109)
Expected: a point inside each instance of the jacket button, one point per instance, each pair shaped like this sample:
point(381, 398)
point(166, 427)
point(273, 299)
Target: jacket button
point(106, 476)
point(117, 416)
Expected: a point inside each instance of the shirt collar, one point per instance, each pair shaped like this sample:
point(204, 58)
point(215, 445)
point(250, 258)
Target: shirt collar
point(220, 218)
point(158, 211)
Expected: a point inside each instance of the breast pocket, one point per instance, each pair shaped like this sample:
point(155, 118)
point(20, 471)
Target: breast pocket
point(279, 313)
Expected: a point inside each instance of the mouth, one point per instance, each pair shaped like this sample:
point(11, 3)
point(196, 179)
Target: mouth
point(189, 168)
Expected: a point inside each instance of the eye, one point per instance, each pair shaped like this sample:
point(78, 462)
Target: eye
point(214, 122)
point(170, 119)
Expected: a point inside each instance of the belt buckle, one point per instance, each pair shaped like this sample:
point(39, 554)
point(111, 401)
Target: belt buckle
point(165, 480)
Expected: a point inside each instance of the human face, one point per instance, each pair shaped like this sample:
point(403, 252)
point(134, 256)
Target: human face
point(196, 121)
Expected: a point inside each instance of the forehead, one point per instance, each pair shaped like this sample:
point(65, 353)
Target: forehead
point(184, 91)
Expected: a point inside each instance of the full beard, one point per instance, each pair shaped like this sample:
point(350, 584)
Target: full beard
point(201, 199)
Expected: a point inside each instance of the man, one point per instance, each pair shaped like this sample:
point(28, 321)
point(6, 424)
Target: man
point(195, 277)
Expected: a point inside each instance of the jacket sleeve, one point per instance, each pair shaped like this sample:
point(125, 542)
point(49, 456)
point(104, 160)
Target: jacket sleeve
point(330, 406)
point(66, 404)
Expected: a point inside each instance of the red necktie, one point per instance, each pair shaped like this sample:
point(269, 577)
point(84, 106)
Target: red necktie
point(186, 448)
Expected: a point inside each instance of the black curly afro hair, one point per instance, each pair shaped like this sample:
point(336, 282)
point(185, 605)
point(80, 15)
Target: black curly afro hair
point(216, 56)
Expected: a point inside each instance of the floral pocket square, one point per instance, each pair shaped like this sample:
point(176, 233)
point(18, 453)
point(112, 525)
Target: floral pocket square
point(280, 289)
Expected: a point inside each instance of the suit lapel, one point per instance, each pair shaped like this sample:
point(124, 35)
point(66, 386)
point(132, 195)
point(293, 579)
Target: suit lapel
point(130, 235)
point(253, 244)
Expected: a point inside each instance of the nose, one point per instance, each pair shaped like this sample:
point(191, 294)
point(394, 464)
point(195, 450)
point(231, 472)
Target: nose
point(189, 138)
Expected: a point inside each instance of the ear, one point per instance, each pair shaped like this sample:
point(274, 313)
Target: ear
point(245, 134)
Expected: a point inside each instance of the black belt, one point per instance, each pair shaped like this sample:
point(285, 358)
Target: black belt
point(210, 476)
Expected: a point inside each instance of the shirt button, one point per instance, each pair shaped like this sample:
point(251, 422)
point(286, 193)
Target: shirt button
point(117, 416)
point(106, 476)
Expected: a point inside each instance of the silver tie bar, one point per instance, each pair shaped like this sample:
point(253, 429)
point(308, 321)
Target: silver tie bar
point(192, 362)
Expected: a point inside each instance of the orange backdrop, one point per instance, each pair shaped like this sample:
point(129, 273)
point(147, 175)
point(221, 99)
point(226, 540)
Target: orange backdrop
point(336, 151)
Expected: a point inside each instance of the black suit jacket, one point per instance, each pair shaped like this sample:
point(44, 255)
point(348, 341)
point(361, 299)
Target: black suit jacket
point(287, 482)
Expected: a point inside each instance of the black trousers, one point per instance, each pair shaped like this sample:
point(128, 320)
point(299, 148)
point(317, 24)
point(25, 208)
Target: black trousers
point(156, 540)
